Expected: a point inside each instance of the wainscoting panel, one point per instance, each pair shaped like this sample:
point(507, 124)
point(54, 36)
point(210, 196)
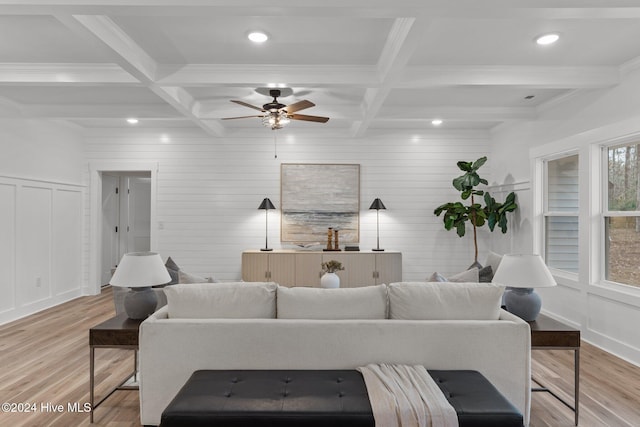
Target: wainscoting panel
point(34, 244)
point(209, 189)
point(40, 245)
point(67, 241)
point(7, 245)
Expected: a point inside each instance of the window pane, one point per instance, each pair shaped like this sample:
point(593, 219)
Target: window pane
point(562, 185)
point(622, 250)
point(562, 242)
point(624, 187)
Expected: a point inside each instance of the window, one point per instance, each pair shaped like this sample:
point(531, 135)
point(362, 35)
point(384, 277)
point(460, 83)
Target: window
point(622, 214)
point(561, 207)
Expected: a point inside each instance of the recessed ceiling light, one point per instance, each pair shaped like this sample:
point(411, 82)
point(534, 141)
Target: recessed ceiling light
point(546, 39)
point(132, 120)
point(257, 37)
point(436, 122)
point(165, 139)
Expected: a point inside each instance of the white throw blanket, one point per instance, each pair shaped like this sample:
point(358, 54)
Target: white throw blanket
point(406, 396)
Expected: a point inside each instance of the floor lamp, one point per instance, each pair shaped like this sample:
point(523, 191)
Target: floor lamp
point(377, 205)
point(266, 205)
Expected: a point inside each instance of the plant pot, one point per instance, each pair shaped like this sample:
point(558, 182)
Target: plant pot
point(330, 280)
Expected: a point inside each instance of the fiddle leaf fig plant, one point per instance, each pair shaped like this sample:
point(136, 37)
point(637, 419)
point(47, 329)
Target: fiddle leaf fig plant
point(456, 214)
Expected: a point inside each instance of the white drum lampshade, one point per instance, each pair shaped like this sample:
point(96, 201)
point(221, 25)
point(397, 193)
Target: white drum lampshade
point(139, 271)
point(521, 273)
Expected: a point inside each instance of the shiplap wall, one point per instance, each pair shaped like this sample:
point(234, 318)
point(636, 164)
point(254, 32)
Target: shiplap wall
point(208, 191)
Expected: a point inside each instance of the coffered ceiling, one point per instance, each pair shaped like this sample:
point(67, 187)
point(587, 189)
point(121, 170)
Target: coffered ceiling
point(369, 65)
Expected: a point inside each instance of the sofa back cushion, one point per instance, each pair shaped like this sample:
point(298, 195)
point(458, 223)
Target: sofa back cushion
point(369, 302)
point(444, 301)
point(237, 300)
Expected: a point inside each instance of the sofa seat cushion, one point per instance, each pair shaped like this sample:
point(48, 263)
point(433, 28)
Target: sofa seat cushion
point(444, 301)
point(367, 302)
point(242, 300)
point(318, 398)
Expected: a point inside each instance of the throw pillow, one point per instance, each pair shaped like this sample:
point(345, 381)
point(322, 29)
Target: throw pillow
point(230, 300)
point(465, 276)
point(442, 301)
point(173, 269)
point(367, 302)
point(485, 274)
point(184, 277)
point(493, 259)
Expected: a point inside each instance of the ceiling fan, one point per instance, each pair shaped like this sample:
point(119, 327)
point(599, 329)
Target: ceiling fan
point(276, 115)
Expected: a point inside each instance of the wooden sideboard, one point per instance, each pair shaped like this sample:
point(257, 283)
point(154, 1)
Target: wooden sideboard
point(303, 268)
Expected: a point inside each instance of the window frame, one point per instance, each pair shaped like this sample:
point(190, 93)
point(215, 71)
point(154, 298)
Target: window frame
point(546, 213)
point(604, 213)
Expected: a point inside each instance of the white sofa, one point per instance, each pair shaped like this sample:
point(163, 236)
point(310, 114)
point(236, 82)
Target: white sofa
point(440, 326)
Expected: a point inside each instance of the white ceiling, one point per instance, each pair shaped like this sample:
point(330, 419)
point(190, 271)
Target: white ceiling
point(369, 65)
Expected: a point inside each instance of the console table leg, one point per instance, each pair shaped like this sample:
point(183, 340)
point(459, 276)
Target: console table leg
point(91, 381)
point(576, 382)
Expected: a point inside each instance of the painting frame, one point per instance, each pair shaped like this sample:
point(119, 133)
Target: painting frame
point(316, 196)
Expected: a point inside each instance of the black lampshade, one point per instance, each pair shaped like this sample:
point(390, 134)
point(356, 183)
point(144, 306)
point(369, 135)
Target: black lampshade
point(377, 204)
point(266, 204)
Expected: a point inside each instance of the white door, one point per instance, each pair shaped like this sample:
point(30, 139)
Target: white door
point(139, 214)
point(110, 226)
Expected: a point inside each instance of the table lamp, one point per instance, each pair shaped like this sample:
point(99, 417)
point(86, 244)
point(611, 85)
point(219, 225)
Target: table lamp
point(377, 205)
point(139, 271)
point(520, 274)
point(267, 206)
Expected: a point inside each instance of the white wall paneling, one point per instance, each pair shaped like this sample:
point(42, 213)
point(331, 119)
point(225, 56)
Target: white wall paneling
point(7, 245)
point(40, 245)
point(209, 189)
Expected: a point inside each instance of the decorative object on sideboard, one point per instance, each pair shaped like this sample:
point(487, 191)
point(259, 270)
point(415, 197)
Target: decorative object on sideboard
point(266, 205)
point(377, 205)
point(330, 279)
point(332, 240)
point(457, 214)
point(139, 271)
point(521, 273)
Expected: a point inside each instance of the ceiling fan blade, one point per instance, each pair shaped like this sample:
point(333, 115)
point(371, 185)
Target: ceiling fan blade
point(297, 106)
point(241, 117)
point(307, 118)
point(247, 105)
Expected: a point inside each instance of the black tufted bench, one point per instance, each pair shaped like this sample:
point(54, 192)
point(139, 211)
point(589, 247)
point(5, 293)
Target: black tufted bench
point(311, 398)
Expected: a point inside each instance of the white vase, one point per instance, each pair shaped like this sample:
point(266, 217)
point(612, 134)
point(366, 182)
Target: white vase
point(330, 280)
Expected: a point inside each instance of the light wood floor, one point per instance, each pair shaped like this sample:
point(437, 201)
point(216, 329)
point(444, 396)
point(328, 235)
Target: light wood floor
point(44, 358)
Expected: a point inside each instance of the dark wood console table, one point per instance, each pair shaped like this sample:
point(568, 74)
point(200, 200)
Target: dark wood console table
point(550, 334)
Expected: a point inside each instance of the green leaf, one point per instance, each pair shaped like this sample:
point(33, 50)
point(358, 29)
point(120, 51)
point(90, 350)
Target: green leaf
point(465, 166)
point(478, 163)
point(465, 194)
point(491, 221)
point(460, 229)
point(458, 183)
point(484, 181)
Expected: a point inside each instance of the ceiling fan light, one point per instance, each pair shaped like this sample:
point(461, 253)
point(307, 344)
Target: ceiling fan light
point(547, 39)
point(258, 37)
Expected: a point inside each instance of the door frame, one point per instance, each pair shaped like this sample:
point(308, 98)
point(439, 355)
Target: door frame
point(95, 212)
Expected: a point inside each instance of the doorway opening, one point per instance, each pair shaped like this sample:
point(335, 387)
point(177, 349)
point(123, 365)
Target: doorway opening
point(126, 218)
point(104, 257)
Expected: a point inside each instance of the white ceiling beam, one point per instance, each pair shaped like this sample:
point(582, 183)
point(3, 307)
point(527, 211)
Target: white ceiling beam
point(401, 43)
point(107, 111)
point(491, 9)
point(505, 75)
point(451, 113)
point(64, 74)
point(139, 63)
point(136, 60)
point(198, 75)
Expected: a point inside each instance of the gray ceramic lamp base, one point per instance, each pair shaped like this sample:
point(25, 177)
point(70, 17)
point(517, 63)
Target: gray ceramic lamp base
point(523, 302)
point(140, 303)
